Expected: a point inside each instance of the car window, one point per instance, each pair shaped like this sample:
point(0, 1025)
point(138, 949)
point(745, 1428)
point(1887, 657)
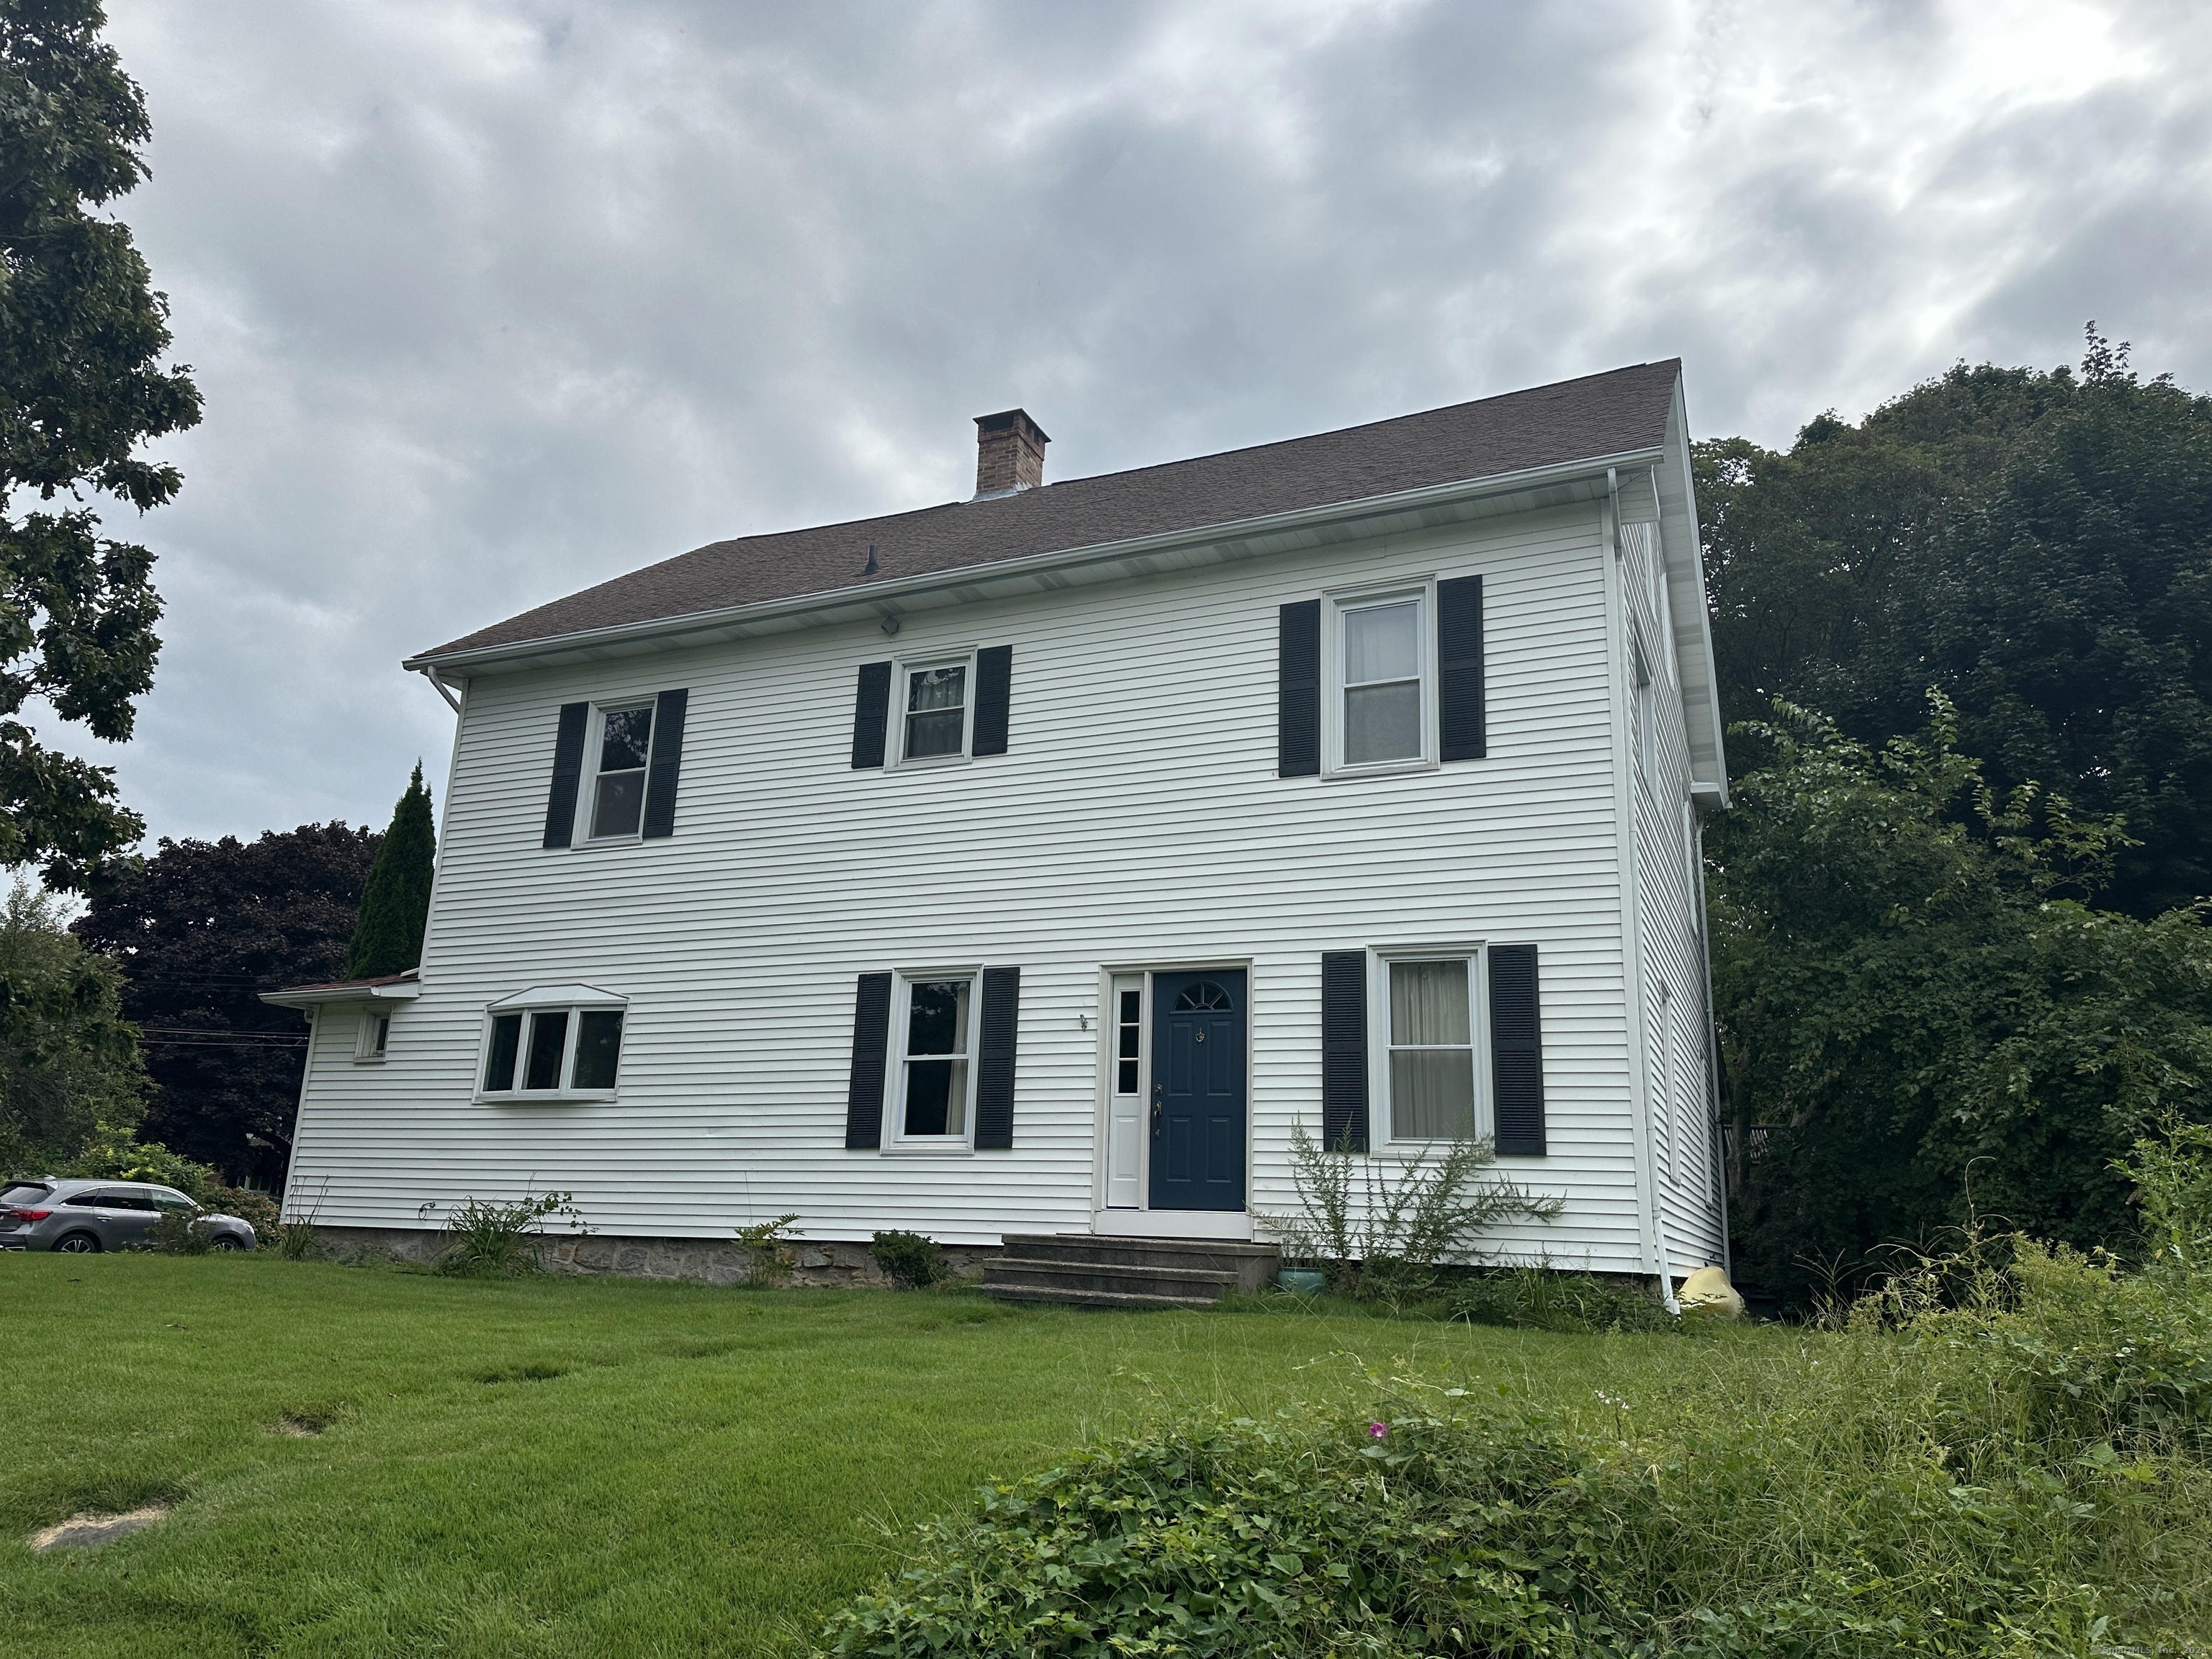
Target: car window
point(23, 1192)
point(168, 1200)
point(94, 1199)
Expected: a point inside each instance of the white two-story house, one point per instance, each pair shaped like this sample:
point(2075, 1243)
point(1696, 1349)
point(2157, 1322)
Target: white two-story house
point(1035, 863)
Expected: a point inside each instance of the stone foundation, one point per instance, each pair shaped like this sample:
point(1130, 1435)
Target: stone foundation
point(710, 1261)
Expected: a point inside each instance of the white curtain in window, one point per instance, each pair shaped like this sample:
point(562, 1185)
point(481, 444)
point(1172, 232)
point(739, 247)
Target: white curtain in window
point(1432, 1052)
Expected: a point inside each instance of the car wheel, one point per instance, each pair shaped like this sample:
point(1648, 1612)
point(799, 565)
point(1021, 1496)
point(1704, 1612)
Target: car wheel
point(227, 1241)
point(78, 1245)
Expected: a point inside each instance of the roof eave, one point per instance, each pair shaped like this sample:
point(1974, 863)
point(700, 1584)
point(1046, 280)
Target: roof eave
point(315, 996)
point(877, 596)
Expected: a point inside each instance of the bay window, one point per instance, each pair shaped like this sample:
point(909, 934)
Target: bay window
point(552, 1041)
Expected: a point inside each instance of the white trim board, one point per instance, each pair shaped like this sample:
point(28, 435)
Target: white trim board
point(1234, 1224)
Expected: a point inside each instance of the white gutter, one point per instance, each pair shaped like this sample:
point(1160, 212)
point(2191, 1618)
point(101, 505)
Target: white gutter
point(316, 996)
point(877, 595)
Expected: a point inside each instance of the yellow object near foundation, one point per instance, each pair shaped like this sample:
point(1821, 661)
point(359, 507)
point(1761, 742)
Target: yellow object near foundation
point(1708, 1292)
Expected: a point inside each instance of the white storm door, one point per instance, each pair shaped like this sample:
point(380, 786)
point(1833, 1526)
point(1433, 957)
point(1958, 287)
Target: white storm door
point(1125, 1093)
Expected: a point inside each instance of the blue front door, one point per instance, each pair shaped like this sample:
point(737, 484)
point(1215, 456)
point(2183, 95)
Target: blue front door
point(1198, 1090)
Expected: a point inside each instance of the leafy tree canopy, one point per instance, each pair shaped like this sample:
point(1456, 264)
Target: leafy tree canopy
point(395, 906)
point(2038, 546)
point(68, 1061)
point(1918, 1009)
point(82, 388)
point(198, 933)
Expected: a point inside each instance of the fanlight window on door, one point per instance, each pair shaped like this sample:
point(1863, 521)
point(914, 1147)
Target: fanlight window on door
point(1201, 998)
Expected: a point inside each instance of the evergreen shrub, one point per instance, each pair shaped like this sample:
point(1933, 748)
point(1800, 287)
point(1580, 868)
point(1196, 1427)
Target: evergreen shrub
point(913, 1261)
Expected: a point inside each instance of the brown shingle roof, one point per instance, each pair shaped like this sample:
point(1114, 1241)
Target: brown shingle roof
point(1608, 413)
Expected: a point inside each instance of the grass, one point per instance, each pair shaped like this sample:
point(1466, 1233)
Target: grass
point(367, 1461)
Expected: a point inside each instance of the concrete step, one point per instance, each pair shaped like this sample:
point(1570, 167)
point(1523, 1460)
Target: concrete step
point(1075, 1298)
point(1202, 1283)
point(1252, 1266)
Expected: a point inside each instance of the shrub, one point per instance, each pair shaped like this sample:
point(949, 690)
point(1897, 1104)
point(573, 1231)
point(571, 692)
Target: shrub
point(492, 1238)
point(177, 1232)
point(770, 1256)
point(1378, 1237)
point(913, 1261)
point(1538, 1299)
point(257, 1210)
point(1998, 1456)
point(113, 1155)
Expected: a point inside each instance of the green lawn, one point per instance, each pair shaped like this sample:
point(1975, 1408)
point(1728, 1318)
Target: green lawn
point(574, 1466)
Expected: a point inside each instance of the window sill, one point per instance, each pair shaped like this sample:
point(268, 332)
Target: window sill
point(369, 1059)
point(923, 1149)
point(1380, 770)
point(540, 1096)
point(931, 764)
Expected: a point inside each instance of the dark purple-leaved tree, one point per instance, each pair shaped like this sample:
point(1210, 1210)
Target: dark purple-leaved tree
point(198, 933)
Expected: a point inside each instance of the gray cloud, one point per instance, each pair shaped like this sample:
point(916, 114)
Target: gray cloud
point(494, 300)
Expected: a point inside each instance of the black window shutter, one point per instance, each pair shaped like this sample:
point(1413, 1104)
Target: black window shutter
point(871, 709)
point(661, 777)
point(567, 771)
point(995, 680)
point(864, 1098)
point(1343, 1050)
point(1459, 669)
point(1297, 710)
point(1517, 1051)
point(994, 1071)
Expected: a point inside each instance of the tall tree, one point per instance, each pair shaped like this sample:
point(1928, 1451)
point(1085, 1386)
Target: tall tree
point(82, 388)
point(2038, 546)
point(395, 906)
point(68, 1061)
point(1918, 1011)
point(198, 933)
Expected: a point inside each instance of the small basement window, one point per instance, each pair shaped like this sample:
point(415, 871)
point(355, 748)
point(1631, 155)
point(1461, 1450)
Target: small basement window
point(618, 790)
point(937, 1083)
point(559, 1045)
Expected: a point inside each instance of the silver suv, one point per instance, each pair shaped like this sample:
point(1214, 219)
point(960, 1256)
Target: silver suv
point(81, 1216)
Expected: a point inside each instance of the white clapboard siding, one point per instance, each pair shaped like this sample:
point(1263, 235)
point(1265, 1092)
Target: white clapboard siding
point(1136, 820)
point(1670, 929)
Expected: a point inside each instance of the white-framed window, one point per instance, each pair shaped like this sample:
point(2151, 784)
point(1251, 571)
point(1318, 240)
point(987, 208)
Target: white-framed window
point(622, 745)
point(932, 711)
point(1428, 1007)
point(1646, 716)
point(373, 1034)
point(1380, 657)
point(933, 1047)
point(560, 1040)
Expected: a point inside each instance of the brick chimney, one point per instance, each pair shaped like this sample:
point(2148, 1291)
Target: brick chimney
point(1009, 453)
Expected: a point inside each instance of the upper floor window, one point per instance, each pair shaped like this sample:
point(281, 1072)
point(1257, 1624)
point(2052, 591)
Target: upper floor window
point(618, 786)
point(557, 1040)
point(935, 721)
point(1383, 667)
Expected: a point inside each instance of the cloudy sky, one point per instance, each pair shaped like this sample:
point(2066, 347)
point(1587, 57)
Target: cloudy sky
point(490, 299)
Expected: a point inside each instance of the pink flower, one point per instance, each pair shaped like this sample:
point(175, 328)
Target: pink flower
point(1377, 1430)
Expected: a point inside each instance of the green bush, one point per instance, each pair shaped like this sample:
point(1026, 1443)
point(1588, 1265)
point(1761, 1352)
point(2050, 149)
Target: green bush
point(492, 1238)
point(176, 1234)
point(912, 1261)
point(112, 1155)
point(1381, 1234)
point(257, 1210)
point(2001, 1455)
point(770, 1253)
point(1538, 1299)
